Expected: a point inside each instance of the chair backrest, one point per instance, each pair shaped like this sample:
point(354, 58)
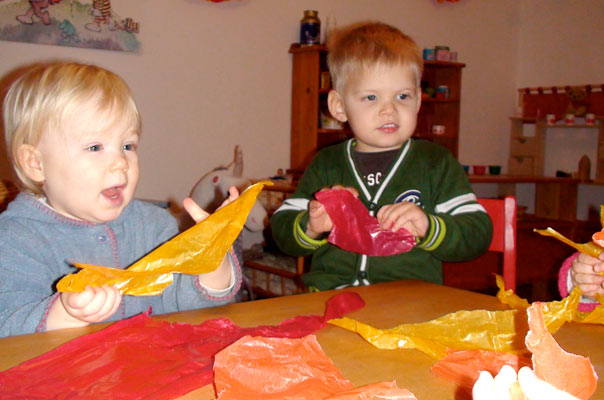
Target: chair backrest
point(8, 191)
point(503, 216)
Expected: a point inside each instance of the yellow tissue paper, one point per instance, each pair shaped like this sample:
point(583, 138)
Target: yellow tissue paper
point(589, 248)
point(592, 248)
point(501, 331)
point(198, 250)
point(556, 313)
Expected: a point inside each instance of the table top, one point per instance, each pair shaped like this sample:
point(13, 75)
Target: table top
point(387, 305)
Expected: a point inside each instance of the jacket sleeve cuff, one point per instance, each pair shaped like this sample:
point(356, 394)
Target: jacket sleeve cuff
point(565, 283)
point(301, 237)
point(234, 281)
point(435, 234)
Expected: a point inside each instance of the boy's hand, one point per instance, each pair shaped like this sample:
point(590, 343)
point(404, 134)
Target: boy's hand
point(404, 215)
point(95, 304)
point(585, 274)
point(318, 219)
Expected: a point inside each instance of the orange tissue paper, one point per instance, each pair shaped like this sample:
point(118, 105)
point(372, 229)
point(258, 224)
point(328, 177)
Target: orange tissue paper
point(568, 372)
point(280, 368)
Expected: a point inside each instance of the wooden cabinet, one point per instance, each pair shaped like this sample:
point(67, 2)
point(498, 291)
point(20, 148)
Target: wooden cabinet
point(310, 86)
point(527, 153)
point(441, 110)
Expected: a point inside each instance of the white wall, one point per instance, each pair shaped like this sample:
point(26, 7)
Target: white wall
point(561, 42)
point(214, 75)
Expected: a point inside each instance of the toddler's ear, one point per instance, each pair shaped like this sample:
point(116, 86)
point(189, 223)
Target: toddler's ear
point(336, 106)
point(30, 161)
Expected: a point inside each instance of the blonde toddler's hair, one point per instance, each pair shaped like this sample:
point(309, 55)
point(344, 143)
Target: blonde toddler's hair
point(49, 94)
point(367, 44)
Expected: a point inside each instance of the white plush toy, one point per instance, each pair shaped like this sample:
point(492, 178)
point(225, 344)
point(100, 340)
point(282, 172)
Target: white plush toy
point(212, 189)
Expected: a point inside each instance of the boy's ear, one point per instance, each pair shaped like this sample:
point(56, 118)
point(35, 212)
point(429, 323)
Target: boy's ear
point(336, 106)
point(30, 161)
point(419, 99)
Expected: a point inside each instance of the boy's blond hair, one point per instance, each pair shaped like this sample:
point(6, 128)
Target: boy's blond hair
point(367, 44)
point(49, 94)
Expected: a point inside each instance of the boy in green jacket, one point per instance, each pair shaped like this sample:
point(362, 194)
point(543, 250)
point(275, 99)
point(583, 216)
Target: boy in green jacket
point(404, 183)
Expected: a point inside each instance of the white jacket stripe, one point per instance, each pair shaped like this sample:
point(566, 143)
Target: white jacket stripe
point(293, 204)
point(468, 208)
point(455, 202)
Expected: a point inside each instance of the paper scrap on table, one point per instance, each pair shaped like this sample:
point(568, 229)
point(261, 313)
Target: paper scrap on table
point(502, 331)
point(355, 230)
point(566, 371)
point(556, 313)
point(571, 373)
point(146, 358)
point(285, 368)
point(197, 250)
point(462, 330)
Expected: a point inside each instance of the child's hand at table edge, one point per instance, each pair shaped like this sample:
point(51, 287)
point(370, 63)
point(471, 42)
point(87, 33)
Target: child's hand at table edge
point(403, 215)
point(220, 278)
point(502, 386)
point(318, 219)
point(585, 273)
point(74, 309)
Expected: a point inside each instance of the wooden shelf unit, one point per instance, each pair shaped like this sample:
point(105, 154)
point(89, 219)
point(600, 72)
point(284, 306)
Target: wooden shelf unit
point(527, 153)
point(555, 198)
point(444, 112)
point(308, 98)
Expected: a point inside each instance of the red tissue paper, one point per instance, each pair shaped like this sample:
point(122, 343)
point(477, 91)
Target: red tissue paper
point(141, 357)
point(356, 231)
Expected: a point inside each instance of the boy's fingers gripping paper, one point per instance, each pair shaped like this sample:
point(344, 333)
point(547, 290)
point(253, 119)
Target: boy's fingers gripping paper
point(356, 231)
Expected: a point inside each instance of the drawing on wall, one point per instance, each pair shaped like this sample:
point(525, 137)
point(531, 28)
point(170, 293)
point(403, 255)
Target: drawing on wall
point(77, 23)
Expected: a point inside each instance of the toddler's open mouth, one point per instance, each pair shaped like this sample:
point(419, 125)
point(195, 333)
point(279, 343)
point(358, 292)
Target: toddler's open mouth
point(391, 127)
point(113, 193)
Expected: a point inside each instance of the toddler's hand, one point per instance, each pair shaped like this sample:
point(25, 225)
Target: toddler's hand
point(318, 219)
point(198, 214)
point(585, 274)
point(404, 215)
point(220, 278)
point(95, 304)
point(488, 388)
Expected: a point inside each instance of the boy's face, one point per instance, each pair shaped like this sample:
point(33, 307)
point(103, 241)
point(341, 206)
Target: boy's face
point(90, 168)
point(380, 104)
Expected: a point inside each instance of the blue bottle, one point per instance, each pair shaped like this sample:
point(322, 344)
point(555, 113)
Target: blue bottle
point(310, 28)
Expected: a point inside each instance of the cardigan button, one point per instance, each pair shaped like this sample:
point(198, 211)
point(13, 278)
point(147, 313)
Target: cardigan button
point(102, 238)
point(363, 275)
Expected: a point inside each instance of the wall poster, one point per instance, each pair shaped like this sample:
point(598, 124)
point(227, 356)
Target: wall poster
point(93, 24)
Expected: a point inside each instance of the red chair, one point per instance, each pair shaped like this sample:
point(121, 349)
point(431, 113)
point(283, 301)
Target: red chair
point(476, 274)
point(503, 215)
